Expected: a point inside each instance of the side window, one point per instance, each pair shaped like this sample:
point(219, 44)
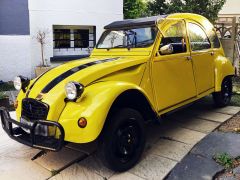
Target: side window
point(176, 36)
point(214, 39)
point(198, 38)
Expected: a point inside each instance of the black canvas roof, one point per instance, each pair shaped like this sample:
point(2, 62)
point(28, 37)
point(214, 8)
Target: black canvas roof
point(134, 22)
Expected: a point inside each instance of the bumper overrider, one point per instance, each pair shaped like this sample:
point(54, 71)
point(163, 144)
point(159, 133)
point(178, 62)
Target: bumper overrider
point(28, 133)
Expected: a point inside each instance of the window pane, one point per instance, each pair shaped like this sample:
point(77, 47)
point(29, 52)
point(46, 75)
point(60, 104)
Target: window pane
point(81, 38)
point(128, 38)
point(62, 38)
point(214, 40)
point(198, 38)
point(176, 36)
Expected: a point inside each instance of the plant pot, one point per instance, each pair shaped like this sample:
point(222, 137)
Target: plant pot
point(41, 69)
point(5, 102)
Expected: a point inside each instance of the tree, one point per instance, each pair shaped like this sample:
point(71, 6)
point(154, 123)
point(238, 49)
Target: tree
point(157, 7)
point(41, 39)
point(207, 8)
point(133, 9)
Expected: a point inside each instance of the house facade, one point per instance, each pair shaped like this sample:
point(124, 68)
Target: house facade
point(71, 29)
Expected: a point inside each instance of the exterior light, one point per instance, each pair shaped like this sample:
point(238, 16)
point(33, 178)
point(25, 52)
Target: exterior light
point(73, 90)
point(82, 122)
point(21, 82)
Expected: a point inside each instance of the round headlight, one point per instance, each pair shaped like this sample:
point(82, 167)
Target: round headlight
point(17, 83)
point(73, 90)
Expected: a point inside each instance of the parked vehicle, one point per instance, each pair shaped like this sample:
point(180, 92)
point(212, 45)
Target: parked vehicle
point(139, 70)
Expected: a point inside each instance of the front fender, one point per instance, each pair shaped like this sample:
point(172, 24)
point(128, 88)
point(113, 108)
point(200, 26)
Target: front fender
point(223, 68)
point(94, 105)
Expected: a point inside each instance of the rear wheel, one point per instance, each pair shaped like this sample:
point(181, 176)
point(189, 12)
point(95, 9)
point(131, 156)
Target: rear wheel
point(223, 97)
point(123, 140)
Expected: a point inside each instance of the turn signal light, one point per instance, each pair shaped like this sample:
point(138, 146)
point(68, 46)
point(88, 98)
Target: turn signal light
point(82, 122)
point(15, 104)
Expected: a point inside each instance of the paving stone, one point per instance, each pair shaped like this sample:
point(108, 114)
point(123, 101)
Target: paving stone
point(228, 110)
point(76, 172)
point(170, 149)
point(56, 160)
point(153, 167)
point(87, 148)
point(13, 115)
point(11, 168)
point(13, 149)
point(195, 167)
point(218, 142)
point(197, 124)
point(93, 163)
point(153, 133)
point(214, 116)
point(125, 176)
point(183, 135)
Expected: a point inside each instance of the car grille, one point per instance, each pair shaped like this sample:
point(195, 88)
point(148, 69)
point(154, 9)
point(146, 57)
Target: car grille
point(34, 110)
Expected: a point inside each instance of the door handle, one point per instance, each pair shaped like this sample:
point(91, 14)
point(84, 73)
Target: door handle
point(212, 53)
point(189, 58)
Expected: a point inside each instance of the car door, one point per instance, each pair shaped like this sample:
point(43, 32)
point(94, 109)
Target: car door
point(172, 74)
point(202, 57)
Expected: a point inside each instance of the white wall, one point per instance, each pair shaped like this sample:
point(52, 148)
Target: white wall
point(14, 56)
point(44, 14)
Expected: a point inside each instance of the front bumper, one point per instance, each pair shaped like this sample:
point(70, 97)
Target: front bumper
point(15, 130)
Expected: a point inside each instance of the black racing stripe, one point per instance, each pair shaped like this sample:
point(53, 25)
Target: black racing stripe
point(30, 88)
point(72, 71)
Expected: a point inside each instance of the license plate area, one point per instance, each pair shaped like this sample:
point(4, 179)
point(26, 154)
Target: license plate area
point(41, 130)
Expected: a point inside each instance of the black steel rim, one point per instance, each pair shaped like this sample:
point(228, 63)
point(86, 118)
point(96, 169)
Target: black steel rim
point(127, 140)
point(226, 91)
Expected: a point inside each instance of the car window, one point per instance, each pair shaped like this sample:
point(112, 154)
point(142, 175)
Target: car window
point(214, 39)
point(198, 38)
point(176, 36)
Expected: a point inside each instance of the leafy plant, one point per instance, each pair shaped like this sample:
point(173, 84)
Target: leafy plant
point(133, 9)
point(3, 95)
point(6, 86)
point(225, 160)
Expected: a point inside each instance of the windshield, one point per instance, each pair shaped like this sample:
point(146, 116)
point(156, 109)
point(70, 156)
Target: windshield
point(128, 38)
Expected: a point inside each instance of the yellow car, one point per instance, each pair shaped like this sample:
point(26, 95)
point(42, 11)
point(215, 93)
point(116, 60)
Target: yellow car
point(139, 70)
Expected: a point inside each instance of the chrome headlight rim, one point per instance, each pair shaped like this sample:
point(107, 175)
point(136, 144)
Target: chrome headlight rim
point(73, 90)
point(21, 82)
point(17, 82)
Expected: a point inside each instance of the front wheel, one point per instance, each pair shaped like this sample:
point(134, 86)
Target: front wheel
point(223, 97)
point(123, 140)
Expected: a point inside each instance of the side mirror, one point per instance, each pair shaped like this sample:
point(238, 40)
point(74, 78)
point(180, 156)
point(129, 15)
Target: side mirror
point(167, 49)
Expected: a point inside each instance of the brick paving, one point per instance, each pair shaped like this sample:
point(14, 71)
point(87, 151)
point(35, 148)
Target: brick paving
point(167, 144)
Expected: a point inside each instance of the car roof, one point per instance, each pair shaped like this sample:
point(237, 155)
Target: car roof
point(149, 21)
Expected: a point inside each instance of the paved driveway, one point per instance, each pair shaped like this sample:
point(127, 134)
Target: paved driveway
point(167, 143)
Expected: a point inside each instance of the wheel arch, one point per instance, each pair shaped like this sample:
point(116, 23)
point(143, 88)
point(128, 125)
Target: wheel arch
point(223, 69)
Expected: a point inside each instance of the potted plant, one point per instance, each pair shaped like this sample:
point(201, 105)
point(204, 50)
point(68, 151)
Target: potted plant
point(41, 39)
point(4, 100)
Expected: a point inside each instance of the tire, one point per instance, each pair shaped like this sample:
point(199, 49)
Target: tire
point(223, 97)
point(123, 140)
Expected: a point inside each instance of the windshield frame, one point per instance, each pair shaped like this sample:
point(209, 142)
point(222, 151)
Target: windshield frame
point(128, 28)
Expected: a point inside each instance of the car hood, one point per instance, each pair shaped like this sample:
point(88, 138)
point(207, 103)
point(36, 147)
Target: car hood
point(50, 87)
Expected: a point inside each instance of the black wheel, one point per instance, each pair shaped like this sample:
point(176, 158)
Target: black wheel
point(123, 140)
point(223, 97)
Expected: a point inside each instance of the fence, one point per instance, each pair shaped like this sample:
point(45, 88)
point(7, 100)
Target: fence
point(228, 30)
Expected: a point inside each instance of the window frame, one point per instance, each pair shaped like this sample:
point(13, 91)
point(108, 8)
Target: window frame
point(189, 38)
point(186, 38)
point(72, 40)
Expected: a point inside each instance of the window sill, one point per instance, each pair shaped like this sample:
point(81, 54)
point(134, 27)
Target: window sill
point(67, 58)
